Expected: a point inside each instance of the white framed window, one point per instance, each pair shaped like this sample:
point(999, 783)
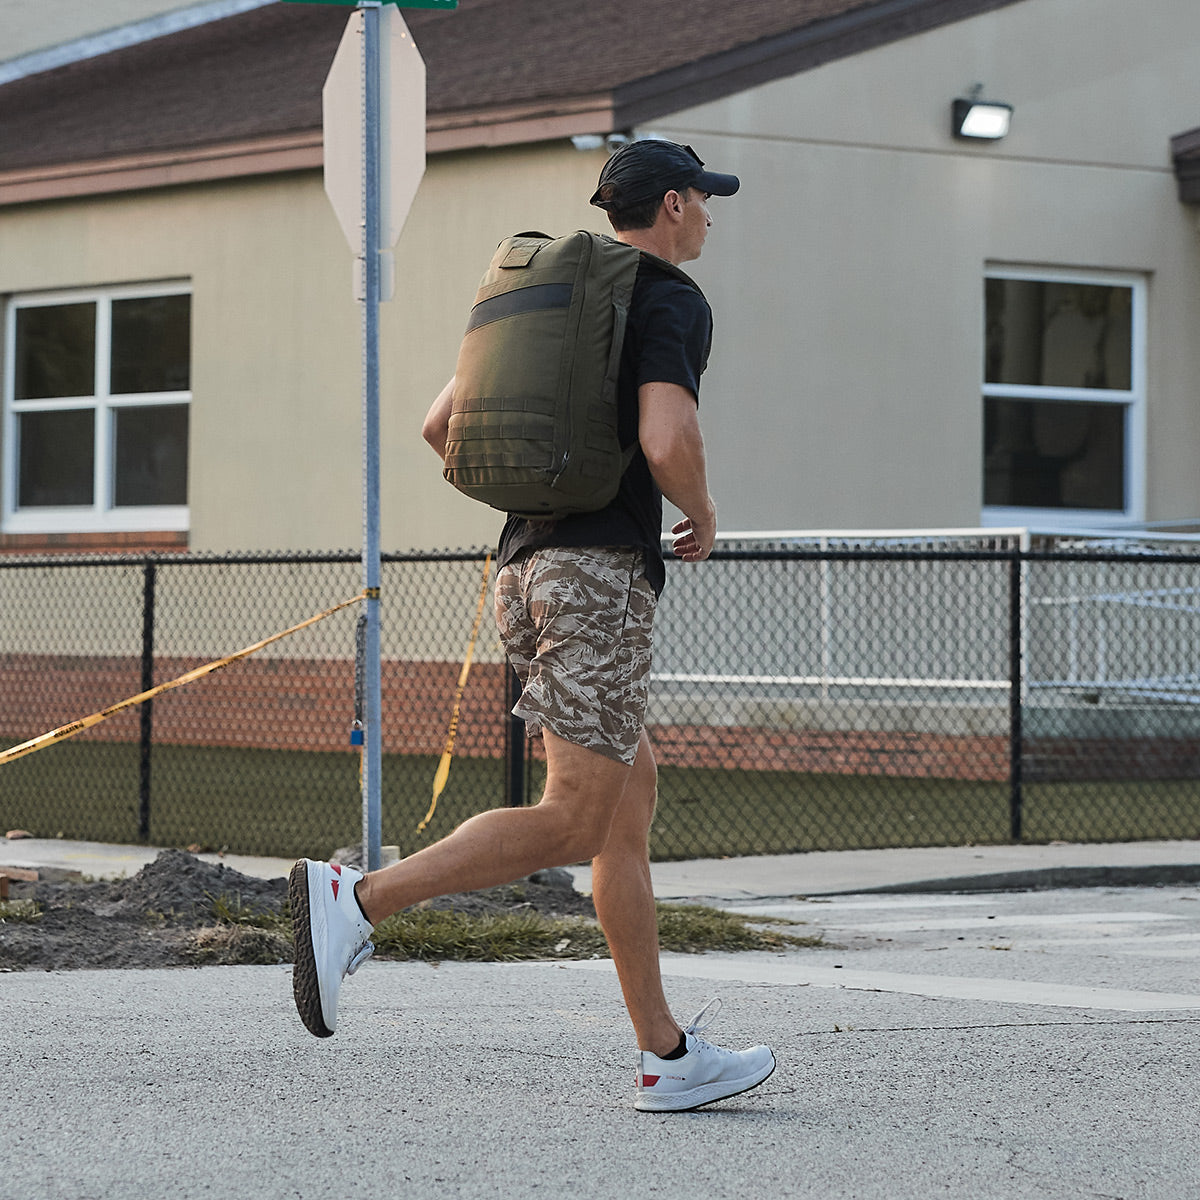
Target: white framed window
point(1064, 398)
point(97, 398)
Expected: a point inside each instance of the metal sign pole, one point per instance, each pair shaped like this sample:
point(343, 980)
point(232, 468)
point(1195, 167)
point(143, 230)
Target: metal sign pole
point(373, 116)
point(373, 724)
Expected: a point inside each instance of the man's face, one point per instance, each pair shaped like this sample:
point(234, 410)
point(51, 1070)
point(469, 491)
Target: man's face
point(696, 220)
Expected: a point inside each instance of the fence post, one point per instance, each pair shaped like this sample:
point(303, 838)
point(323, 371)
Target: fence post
point(149, 579)
point(1015, 668)
point(515, 747)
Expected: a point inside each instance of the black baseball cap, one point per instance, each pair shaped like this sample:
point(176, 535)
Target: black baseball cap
point(647, 170)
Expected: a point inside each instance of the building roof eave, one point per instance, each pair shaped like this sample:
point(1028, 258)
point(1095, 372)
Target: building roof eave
point(299, 151)
point(153, 169)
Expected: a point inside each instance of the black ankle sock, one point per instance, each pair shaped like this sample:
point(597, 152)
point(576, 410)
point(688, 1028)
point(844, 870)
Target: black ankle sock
point(359, 903)
point(679, 1050)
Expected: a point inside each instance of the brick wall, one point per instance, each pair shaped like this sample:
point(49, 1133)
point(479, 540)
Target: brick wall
point(836, 752)
point(291, 704)
point(1081, 760)
point(275, 704)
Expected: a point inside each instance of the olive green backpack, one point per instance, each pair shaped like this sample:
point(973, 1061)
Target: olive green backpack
point(533, 425)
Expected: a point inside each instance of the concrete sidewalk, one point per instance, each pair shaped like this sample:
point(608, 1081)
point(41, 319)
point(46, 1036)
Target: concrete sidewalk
point(474, 1081)
point(1036, 1045)
point(926, 869)
point(818, 873)
point(99, 860)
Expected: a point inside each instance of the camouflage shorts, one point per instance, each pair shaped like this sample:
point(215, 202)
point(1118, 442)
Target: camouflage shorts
point(576, 625)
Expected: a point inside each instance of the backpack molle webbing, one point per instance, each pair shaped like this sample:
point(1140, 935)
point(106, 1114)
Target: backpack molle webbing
point(533, 426)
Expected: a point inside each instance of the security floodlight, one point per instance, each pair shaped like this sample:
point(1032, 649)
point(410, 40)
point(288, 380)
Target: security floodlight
point(986, 120)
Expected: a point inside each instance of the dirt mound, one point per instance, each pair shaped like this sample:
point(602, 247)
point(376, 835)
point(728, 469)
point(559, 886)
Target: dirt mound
point(181, 911)
point(183, 888)
point(150, 920)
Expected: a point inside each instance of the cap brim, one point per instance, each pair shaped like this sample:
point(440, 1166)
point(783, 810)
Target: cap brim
point(715, 184)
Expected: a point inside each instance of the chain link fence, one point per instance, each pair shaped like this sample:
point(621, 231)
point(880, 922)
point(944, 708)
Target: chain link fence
point(807, 694)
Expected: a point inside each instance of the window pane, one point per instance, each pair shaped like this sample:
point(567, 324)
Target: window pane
point(56, 351)
point(151, 344)
point(151, 455)
point(1058, 334)
point(56, 458)
point(1051, 454)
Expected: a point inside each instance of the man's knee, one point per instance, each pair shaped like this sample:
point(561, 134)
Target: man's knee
point(578, 830)
point(584, 789)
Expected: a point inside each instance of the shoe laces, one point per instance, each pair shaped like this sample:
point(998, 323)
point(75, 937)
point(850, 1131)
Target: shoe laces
point(701, 1021)
point(705, 1017)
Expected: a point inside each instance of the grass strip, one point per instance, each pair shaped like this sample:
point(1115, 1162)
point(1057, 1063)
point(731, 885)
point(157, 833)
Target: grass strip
point(695, 928)
point(242, 935)
point(432, 934)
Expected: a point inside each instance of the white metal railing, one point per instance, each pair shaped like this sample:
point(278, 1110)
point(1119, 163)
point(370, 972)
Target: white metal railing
point(1089, 647)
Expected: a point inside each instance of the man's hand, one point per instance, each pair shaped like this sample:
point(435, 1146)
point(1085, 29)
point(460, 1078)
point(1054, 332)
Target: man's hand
point(694, 538)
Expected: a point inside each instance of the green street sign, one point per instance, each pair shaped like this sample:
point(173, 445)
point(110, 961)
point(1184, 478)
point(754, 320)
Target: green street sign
point(444, 4)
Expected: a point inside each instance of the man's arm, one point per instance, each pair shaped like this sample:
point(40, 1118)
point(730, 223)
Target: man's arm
point(437, 420)
point(669, 433)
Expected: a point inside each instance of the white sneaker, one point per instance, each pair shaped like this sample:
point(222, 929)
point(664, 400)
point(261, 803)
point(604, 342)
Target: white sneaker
point(704, 1074)
point(332, 939)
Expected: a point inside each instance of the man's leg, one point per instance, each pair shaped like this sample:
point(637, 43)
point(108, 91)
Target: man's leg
point(570, 824)
point(334, 922)
point(624, 901)
point(676, 1071)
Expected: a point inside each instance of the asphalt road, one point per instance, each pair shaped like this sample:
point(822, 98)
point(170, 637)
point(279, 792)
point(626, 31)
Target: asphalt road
point(1016, 1045)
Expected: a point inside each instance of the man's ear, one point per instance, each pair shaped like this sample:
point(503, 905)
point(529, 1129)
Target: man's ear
point(674, 203)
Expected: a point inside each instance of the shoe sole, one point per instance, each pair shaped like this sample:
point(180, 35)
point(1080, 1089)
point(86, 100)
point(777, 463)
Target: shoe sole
point(696, 1098)
point(305, 987)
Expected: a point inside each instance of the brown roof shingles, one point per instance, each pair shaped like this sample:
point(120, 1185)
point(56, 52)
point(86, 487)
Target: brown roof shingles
point(249, 75)
point(548, 48)
point(259, 74)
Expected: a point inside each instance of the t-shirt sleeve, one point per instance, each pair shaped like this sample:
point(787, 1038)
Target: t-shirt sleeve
point(676, 331)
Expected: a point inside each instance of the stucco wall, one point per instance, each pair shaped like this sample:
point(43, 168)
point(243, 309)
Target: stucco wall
point(847, 274)
point(275, 445)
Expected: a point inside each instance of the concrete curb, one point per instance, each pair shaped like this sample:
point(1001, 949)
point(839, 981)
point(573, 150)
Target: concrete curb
point(769, 877)
point(1046, 878)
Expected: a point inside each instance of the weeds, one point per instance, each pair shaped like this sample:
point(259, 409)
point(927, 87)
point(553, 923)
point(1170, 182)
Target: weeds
point(229, 910)
point(19, 910)
point(231, 945)
point(434, 934)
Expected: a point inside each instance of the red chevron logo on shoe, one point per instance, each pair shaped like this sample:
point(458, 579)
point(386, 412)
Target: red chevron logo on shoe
point(336, 868)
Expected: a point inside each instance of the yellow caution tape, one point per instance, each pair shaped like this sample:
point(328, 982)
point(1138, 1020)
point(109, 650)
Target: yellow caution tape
point(67, 731)
point(443, 771)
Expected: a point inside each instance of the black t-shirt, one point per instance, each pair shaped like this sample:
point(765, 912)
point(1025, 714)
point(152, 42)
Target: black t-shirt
point(667, 339)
